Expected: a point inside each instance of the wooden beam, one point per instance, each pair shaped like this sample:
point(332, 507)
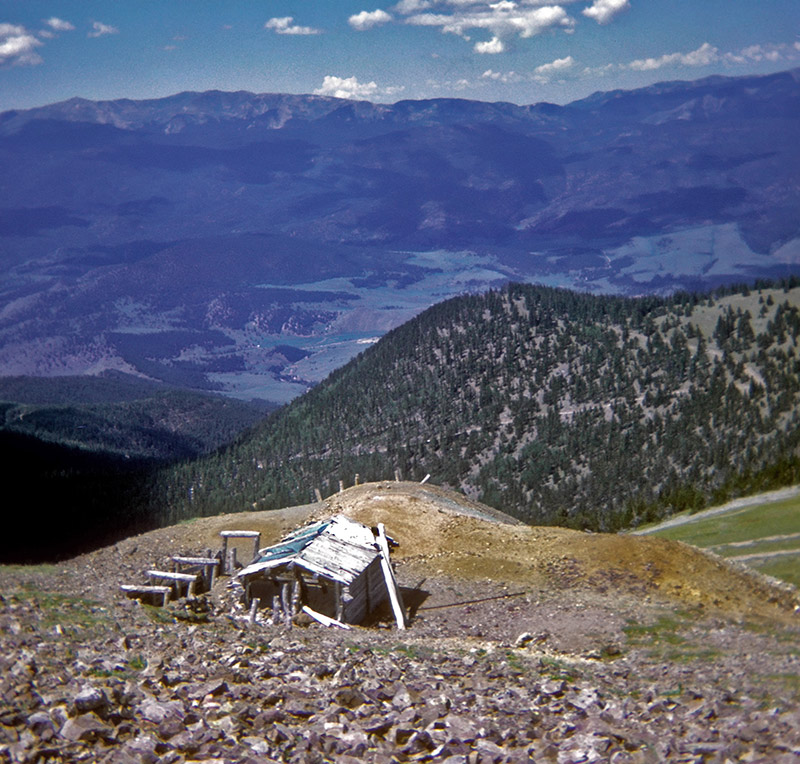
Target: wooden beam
point(324, 619)
point(190, 579)
point(138, 591)
point(391, 582)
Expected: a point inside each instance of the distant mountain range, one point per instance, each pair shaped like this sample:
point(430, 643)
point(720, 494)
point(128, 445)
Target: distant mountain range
point(253, 243)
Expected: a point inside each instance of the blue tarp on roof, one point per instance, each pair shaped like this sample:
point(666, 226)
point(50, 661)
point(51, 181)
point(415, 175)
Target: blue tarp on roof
point(293, 544)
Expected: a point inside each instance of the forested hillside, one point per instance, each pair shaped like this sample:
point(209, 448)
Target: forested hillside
point(121, 415)
point(557, 407)
point(78, 455)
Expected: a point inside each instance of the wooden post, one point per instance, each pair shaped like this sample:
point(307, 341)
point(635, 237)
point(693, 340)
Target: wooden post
point(225, 555)
point(318, 494)
point(397, 476)
point(391, 583)
point(337, 592)
point(257, 542)
point(230, 561)
point(276, 610)
point(286, 600)
point(253, 608)
point(341, 486)
point(357, 478)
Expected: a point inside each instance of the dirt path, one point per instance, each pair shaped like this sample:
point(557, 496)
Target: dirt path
point(764, 555)
point(747, 501)
point(751, 542)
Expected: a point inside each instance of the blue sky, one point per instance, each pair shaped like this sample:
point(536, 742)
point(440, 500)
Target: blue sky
point(524, 51)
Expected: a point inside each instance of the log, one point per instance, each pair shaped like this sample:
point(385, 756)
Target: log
point(137, 591)
point(207, 564)
point(226, 535)
point(190, 579)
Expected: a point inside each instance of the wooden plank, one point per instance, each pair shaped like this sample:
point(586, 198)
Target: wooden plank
point(185, 578)
point(143, 590)
point(240, 534)
point(391, 582)
point(208, 566)
point(195, 560)
point(324, 619)
point(190, 579)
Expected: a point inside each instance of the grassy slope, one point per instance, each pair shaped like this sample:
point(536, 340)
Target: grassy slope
point(764, 535)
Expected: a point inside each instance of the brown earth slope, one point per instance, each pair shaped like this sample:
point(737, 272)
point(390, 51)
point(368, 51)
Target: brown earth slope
point(441, 533)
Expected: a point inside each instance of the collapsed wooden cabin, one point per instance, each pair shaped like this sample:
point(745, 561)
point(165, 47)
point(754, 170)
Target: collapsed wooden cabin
point(337, 569)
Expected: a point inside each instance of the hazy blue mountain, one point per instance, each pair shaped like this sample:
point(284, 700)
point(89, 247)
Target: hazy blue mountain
point(252, 243)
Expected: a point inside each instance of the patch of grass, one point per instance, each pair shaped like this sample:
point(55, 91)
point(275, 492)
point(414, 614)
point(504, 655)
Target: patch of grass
point(786, 568)
point(691, 654)
point(74, 616)
point(750, 524)
point(135, 665)
point(412, 652)
point(774, 630)
point(744, 524)
point(43, 569)
point(514, 661)
point(158, 614)
point(763, 547)
point(663, 640)
point(557, 669)
point(663, 630)
point(790, 681)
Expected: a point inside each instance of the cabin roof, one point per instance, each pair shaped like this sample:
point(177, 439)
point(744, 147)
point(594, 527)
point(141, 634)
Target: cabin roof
point(338, 549)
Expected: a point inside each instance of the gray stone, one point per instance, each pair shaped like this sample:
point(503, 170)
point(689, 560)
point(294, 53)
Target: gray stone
point(87, 728)
point(90, 698)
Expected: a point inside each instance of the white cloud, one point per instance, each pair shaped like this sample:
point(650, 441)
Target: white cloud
point(18, 46)
point(100, 30)
point(368, 19)
point(554, 67)
point(59, 25)
point(495, 45)
point(603, 11)
point(599, 71)
point(706, 54)
point(503, 19)
point(412, 6)
point(286, 25)
point(504, 77)
point(772, 53)
point(350, 87)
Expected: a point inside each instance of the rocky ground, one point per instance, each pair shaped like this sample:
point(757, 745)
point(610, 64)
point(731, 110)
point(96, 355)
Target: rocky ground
point(563, 654)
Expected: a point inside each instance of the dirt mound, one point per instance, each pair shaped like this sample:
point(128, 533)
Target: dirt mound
point(443, 534)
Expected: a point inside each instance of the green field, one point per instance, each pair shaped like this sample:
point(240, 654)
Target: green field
point(765, 535)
